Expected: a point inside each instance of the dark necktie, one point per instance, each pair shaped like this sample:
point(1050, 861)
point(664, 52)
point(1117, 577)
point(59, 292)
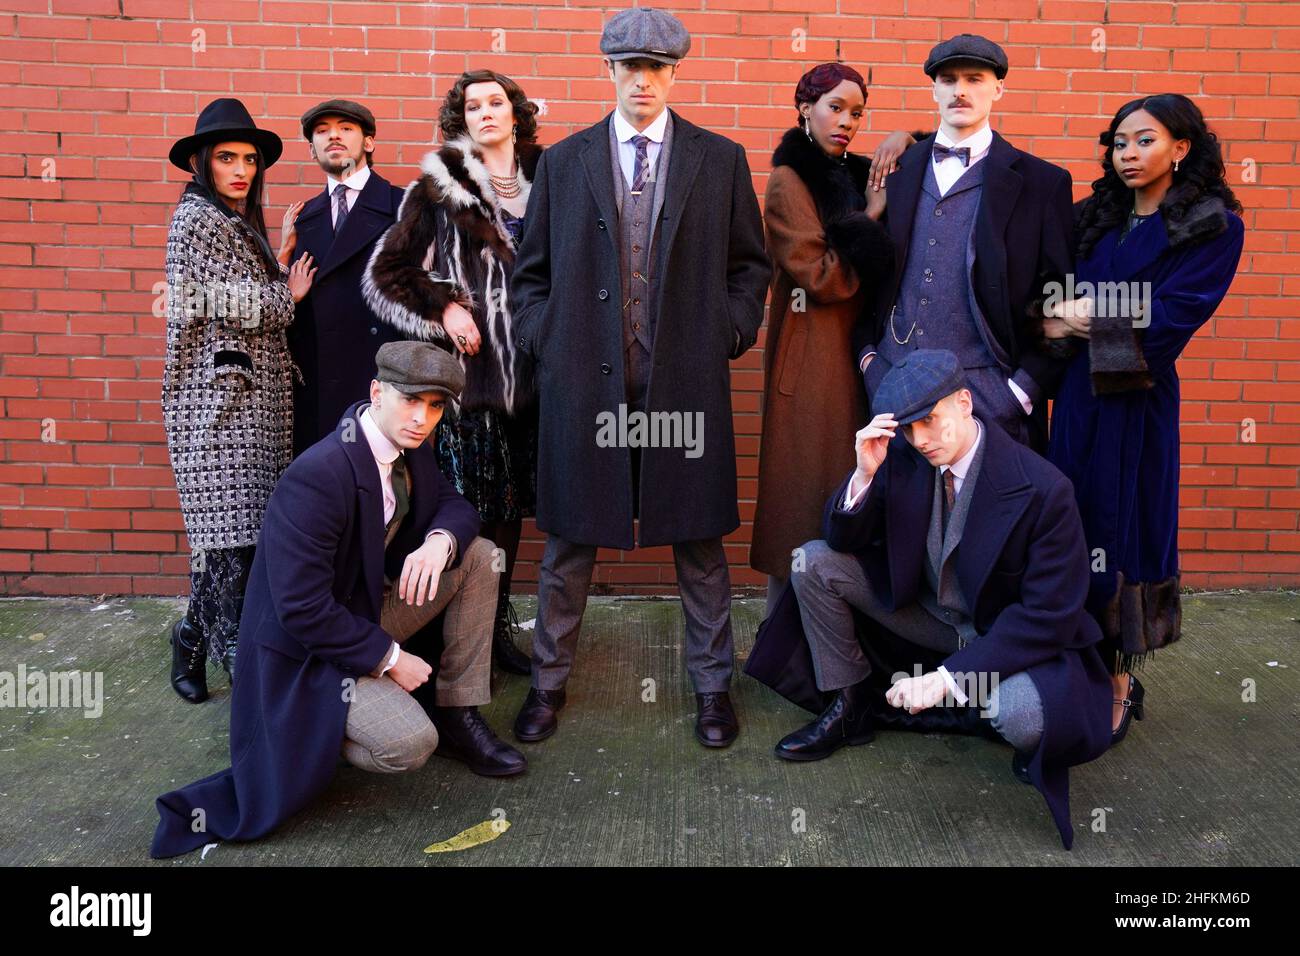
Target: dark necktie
point(961, 152)
point(642, 171)
point(401, 492)
point(949, 496)
point(341, 207)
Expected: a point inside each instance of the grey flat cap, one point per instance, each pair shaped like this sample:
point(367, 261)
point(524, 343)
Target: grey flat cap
point(414, 367)
point(968, 46)
point(346, 108)
point(916, 384)
point(644, 32)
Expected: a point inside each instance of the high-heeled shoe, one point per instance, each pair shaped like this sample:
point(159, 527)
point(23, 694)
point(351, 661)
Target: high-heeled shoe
point(1133, 709)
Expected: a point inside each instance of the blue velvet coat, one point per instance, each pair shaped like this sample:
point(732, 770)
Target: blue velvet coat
point(310, 622)
point(1120, 448)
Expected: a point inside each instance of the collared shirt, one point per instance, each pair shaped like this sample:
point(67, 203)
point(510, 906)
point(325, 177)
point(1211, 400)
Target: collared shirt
point(355, 183)
point(949, 169)
point(624, 131)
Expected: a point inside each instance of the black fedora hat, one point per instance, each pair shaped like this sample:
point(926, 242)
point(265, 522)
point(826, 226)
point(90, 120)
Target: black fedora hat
point(225, 119)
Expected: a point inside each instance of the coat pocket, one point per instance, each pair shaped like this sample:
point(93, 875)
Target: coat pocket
point(230, 377)
point(792, 357)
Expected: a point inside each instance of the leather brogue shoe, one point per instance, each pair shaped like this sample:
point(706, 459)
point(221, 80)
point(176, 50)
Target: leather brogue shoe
point(537, 718)
point(715, 722)
point(464, 735)
point(847, 722)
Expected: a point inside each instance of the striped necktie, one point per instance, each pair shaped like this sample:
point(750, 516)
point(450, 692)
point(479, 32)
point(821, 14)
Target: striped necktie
point(642, 170)
point(340, 207)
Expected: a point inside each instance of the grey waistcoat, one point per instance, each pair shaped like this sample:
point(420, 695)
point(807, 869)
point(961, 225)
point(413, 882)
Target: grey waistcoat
point(935, 290)
point(638, 241)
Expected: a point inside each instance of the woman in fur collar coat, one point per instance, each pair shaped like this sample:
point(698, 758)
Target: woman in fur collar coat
point(1162, 223)
point(442, 274)
point(829, 255)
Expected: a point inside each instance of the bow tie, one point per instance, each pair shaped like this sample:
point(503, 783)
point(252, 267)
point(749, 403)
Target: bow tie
point(943, 152)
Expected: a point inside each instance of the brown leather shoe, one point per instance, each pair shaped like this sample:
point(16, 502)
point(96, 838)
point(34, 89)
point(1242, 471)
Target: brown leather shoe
point(537, 718)
point(715, 724)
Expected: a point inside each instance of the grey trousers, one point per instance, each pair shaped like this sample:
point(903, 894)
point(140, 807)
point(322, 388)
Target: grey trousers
point(387, 730)
point(705, 584)
point(832, 583)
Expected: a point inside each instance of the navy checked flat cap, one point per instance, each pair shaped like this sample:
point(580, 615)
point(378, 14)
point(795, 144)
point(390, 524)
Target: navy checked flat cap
point(644, 32)
point(414, 367)
point(917, 383)
point(968, 46)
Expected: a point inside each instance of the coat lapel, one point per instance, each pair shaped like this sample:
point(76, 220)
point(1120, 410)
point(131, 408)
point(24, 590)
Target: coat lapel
point(1001, 494)
point(370, 501)
point(370, 216)
point(600, 174)
point(1002, 185)
point(902, 190)
point(683, 165)
point(907, 521)
point(315, 231)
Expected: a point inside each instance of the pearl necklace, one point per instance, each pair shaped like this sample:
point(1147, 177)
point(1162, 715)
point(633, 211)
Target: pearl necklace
point(507, 187)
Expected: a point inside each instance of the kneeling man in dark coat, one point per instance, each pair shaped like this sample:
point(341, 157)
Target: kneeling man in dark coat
point(965, 552)
point(364, 543)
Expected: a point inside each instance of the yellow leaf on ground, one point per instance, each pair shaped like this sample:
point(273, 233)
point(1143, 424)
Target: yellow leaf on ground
point(484, 832)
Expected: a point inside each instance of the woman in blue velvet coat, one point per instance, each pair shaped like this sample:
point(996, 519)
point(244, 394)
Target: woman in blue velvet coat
point(1162, 231)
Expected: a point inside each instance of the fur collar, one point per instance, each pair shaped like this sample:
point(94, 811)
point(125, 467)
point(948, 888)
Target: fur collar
point(1205, 219)
point(813, 165)
point(457, 172)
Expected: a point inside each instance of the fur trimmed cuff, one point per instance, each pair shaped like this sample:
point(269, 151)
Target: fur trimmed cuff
point(1115, 356)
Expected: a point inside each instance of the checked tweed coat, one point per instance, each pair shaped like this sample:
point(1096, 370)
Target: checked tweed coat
point(227, 405)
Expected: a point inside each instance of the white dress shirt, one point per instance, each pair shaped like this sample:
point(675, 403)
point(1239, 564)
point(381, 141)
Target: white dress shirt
point(627, 149)
point(355, 183)
point(959, 469)
point(386, 453)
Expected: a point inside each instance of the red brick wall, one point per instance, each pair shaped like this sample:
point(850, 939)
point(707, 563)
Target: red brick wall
point(93, 92)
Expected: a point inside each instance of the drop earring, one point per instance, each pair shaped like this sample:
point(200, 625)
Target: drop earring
point(1175, 165)
point(806, 131)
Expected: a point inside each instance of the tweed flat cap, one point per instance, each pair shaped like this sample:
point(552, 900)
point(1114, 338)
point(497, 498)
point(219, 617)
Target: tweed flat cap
point(967, 46)
point(917, 383)
point(644, 32)
point(353, 111)
point(414, 367)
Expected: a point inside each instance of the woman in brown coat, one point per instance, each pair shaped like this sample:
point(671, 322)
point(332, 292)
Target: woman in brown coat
point(830, 254)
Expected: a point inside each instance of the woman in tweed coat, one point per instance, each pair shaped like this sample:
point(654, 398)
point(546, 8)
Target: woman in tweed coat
point(226, 399)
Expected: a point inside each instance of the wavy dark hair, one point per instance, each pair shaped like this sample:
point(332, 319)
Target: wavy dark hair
point(251, 215)
point(451, 117)
point(1200, 174)
point(820, 80)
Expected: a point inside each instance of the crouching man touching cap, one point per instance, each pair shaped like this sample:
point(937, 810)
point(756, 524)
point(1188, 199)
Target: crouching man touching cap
point(965, 553)
point(364, 543)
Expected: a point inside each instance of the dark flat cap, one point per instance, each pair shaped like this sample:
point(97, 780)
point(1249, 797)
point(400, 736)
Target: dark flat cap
point(353, 111)
point(644, 32)
point(968, 46)
point(917, 383)
point(414, 367)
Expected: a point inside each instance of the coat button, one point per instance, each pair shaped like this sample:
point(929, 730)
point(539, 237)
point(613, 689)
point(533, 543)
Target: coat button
point(600, 223)
point(931, 242)
point(373, 330)
point(604, 368)
point(602, 295)
point(938, 212)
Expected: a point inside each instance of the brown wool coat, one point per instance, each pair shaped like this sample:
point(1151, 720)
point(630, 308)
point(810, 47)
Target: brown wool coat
point(813, 397)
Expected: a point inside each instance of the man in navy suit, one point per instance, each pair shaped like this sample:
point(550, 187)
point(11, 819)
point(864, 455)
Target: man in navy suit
point(334, 336)
point(364, 543)
point(964, 551)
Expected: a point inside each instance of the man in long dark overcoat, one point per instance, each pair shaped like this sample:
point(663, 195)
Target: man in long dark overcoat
point(334, 336)
point(641, 274)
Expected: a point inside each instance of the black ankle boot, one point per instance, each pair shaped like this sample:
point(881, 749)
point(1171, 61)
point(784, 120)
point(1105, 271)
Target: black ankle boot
point(846, 722)
point(189, 664)
point(505, 654)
